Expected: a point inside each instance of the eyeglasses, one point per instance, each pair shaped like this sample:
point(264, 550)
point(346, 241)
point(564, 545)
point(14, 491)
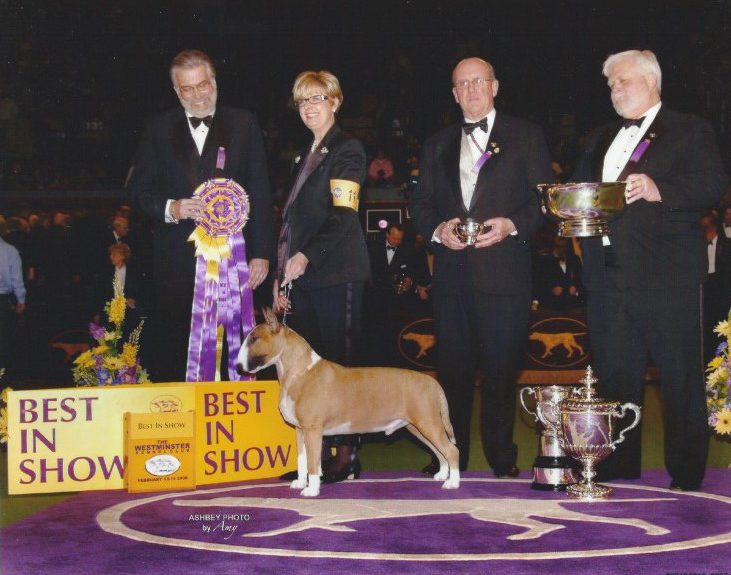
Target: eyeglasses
point(475, 83)
point(190, 91)
point(316, 99)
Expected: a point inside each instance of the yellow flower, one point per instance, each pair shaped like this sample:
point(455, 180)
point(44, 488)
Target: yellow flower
point(129, 353)
point(717, 377)
point(86, 359)
point(715, 363)
point(113, 363)
point(3, 425)
point(723, 329)
point(723, 423)
point(4, 395)
point(116, 309)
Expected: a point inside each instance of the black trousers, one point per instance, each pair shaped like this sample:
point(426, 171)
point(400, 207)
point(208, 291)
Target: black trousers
point(330, 320)
point(491, 331)
point(8, 330)
point(627, 325)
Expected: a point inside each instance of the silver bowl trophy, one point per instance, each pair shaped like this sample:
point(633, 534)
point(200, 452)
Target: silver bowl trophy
point(553, 470)
point(586, 434)
point(468, 230)
point(584, 209)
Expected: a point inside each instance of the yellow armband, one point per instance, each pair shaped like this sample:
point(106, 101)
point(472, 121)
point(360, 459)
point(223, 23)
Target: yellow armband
point(345, 193)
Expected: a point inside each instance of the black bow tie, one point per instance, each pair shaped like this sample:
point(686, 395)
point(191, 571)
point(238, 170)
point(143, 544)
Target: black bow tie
point(390, 248)
point(469, 127)
point(195, 122)
point(629, 123)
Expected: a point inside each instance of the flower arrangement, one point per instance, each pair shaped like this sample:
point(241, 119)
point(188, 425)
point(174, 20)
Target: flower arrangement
point(105, 364)
point(718, 383)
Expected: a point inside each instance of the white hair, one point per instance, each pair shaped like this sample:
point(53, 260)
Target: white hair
point(645, 60)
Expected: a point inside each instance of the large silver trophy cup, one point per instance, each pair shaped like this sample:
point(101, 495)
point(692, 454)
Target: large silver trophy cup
point(587, 428)
point(584, 209)
point(553, 470)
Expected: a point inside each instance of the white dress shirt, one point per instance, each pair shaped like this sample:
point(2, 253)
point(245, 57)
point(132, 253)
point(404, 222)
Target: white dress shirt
point(712, 255)
point(621, 149)
point(624, 144)
point(199, 137)
point(470, 153)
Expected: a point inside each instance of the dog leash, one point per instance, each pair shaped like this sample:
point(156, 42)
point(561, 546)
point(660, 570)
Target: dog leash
point(285, 291)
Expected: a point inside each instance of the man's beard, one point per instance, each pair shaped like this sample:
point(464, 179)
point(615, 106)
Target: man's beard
point(198, 112)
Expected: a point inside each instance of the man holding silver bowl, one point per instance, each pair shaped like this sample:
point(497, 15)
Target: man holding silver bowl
point(476, 202)
point(644, 275)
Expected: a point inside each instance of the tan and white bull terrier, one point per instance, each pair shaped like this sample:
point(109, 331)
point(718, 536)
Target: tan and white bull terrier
point(319, 397)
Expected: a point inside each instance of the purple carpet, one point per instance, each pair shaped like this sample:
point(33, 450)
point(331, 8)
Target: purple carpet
point(384, 523)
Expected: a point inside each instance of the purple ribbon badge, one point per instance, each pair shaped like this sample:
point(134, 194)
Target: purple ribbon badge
point(642, 148)
point(492, 150)
point(222, 301)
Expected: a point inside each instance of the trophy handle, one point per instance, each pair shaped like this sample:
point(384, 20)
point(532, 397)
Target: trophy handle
point(620, 414)
point(529, 390)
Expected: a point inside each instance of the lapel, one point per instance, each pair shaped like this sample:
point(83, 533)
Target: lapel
point(600, 150)
point(182, 143)
point(300, 177)
point(450, 159)
point(496, 137)
point(654, 132)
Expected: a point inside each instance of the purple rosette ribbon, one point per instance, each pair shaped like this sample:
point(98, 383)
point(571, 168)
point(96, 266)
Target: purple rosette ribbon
point(222, 301)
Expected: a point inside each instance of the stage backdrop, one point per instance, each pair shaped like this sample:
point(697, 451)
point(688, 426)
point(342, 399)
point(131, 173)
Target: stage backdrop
point(73, 439)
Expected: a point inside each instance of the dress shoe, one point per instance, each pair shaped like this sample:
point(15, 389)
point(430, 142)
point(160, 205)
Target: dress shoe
point(431, 470)
point(509, 474)
point(602, 476)
point(683, 486)
point(335, 473)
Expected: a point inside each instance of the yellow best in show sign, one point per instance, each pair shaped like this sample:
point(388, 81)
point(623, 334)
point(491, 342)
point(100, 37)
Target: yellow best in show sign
point(160, 451)
point(73, 439)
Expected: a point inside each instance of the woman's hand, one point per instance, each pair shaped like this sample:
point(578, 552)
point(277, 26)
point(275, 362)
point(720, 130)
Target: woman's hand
point(280, 302)
point(295, 267)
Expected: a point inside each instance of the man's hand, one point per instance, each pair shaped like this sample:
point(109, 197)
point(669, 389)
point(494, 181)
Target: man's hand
point(641, 187)
point(258, 270)
point(19, 308)
point(187, 209)
point(499, 229)
point(445, 234)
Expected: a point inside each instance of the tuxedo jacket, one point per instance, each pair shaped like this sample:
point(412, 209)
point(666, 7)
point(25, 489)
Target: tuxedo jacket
point(505, 188)
point(549, 274)
point(383, 273)
point(168, 166)
point(658, 244)
point(330, 236)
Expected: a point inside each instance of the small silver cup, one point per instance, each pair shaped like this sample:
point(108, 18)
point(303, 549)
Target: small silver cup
point(468, 230)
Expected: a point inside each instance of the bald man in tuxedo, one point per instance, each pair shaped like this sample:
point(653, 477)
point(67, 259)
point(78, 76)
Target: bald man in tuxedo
point(485, 169)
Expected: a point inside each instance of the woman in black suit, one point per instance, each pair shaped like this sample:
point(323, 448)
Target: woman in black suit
point(131, 284)
point(322, 254)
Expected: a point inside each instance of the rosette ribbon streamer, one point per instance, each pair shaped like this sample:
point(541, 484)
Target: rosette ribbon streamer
point(222, 301)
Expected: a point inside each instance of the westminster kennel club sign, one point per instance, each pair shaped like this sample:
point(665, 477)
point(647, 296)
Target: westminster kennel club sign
point(74, 439)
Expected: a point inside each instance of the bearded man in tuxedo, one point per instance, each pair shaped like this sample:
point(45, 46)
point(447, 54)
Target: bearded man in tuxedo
point(644, 279)
point(179, 151)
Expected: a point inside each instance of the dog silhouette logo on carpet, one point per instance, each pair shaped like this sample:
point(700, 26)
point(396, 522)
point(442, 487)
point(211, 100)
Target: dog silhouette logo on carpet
point(558, 342)
point(330, 514)
point(417, 343)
